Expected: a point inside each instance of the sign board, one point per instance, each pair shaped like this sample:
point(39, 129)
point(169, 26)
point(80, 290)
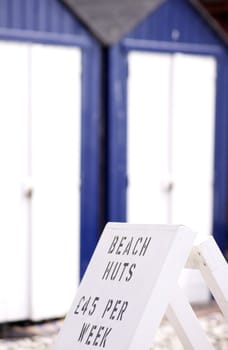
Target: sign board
point(127, 287)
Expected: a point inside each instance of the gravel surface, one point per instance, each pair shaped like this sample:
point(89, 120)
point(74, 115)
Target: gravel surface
point(213, 324)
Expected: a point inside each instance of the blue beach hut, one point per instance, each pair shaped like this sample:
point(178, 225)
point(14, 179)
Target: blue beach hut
point(49, 156)
point(168, 114)
point(165, 67)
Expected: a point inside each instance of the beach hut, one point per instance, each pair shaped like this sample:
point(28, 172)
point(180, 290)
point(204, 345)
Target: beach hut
point(168, 109)
point(165, 69)
point(49, 157)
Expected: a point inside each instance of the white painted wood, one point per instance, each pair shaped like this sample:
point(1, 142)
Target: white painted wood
point(186, 324)
point(40, 165)
point(14, 239)
point(150, 258)
point(193, 141)
point(170, 142)
point(208, 258)
point(94, 318)
point(148, 137)
point(195, 134)
point(55, 170)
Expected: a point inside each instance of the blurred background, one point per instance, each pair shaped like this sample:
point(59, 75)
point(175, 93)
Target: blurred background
point(109, 111)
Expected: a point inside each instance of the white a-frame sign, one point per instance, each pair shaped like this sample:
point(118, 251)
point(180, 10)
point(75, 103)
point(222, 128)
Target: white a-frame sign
point(131, 282)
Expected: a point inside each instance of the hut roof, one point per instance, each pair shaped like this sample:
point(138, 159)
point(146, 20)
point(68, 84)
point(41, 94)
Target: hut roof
point(110, 20)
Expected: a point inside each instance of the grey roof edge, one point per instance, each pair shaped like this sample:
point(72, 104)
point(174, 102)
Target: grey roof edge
point(156, 6)
point(82, 19)
point(210, 20)
point(98, 35)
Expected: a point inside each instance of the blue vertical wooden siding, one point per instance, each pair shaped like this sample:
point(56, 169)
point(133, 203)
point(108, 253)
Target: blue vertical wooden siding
point(40, 16)
point(221, 159)
point(90, 153)
point(117, 124)
point(90, 157)
point(176, 15)
point(156, 33)
point(49, 21)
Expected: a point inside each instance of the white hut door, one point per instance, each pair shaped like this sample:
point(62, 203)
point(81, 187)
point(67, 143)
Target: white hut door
point(148, 137)
point(170, 139)
point(40, 109)
point(14, 238)
point(55, 173)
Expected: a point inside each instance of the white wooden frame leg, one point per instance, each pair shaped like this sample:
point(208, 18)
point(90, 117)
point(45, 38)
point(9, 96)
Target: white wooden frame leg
point(186, 324)
point(208, 258)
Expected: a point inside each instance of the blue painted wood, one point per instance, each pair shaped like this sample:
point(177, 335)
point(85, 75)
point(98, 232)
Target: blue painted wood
point(173, 16)
point(174, 27)
point(117, 162)
point(220, 225)
point(90, 154)
point(165, 46)
point(50, 22)
point(39, 15)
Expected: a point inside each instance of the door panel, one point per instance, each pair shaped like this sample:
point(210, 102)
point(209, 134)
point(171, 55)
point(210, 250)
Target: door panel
point(14, 266)
point(40, 179)
point(148, 137)
point(170, 142)
point(192, 156)
point(55, 171)
point(171, 139)
point(193, 141)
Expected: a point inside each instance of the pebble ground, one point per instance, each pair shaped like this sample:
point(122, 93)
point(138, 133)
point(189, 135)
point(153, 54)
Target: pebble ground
point(41, 337)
